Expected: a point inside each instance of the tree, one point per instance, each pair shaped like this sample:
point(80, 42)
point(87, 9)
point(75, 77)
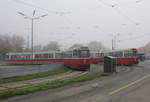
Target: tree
point(9, 43)
point(96, 46)
point(52, 46)
point(75, 46)
point(37, 48)
point(145, 49)
point(5, 45)
point(17, 43)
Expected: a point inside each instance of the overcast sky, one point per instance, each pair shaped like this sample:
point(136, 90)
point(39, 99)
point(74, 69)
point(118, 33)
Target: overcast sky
point(79, 21)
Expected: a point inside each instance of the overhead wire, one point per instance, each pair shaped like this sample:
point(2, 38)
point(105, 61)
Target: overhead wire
point(38, 7)
point(130, 2)
point(138, 1)
point(50, 11)
point(137, 37)
point(125, 16)
point(114, 7)
point(54, 12)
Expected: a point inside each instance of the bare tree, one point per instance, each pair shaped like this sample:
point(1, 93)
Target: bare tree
point(17, 43)
point(75, 46)
point(5, 45)
point(52, 46)
point(38, 48)
point(11, 43)
point(96, 46)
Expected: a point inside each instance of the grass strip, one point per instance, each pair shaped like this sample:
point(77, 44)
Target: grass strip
point(53, 84)
point(33, 76)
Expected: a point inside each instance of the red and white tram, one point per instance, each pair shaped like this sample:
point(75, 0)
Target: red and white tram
point(78, 58)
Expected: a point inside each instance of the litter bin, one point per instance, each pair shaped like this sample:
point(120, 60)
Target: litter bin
point(109, 64)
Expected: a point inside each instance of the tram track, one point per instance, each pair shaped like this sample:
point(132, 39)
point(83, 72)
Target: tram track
point(63, 76)
point(143, 65)
point(27, 83)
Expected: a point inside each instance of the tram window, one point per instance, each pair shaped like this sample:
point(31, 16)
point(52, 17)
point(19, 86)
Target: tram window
point(130, 54)
point(92, 55)
point(39, 56)
point(75, 53)
point(7, 56)
point(21, 56)
point(69, 55)
point(127, 54)
point(45, 55)
point(101, 54)
point(36, 56)
point(50, 55)
point(63, 55)
point(13, 56)
point(106, 54)
point(113, 54)
point(134, 51)
point(96, 54)
point(27, 56)
point(57, 55)
point(119, 54)
point(84, 54)
point(110, 54)
point(17, 56)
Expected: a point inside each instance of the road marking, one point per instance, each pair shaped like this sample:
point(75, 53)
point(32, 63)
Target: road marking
point(120, 89)
point(129, 85)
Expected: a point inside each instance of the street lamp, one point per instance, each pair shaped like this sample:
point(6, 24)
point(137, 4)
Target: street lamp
point(32, 18)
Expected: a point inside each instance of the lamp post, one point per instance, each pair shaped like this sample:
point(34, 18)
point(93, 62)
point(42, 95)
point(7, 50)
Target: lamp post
point(32, 18)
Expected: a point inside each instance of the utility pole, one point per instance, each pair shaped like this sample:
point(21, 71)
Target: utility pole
point(28, 42)
point(114, 41)
point(32, 18)
point(112, 44)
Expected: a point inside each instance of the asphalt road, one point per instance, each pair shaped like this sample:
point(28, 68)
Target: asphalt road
point(14, 70)
point(131, 85)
